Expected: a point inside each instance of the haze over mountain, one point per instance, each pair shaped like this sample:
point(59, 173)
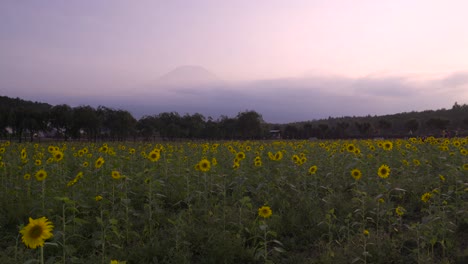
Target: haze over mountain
point(193, 75)
point(195, 89)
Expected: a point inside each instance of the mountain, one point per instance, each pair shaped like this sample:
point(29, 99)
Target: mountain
point(192, 75)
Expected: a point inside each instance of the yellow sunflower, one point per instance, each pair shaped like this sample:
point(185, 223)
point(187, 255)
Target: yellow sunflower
point(154, 155)
point(116, 175)
point(387, 145)
point(384, 171)
point(58, 155)
point(465, 166)
point(295, 158)
point(40, 175)
point(264, 211)
point(365, 232)
point(258, 163)
point(24, 154)
point(117, 262)
point(400, 211)
point(36, 232)
point(356, 174)
point(104, 149)
point(441, 177)
point(278, 155)
point(425, 197)
point(313, 169)
point(99, 162)
point(38, 162)
point(350, 147)
point(240, 155)
point(205, 165)
point(271, 155)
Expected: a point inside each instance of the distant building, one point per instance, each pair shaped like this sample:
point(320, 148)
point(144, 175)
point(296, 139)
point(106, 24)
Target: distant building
point(275, 134)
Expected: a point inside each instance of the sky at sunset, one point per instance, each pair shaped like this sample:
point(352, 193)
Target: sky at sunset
point(293, 60)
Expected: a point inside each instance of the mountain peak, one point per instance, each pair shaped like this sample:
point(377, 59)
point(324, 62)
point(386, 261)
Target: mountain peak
point(188, 75)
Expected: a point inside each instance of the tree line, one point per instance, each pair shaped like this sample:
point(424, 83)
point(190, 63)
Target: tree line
point(438, 123)
point(26, 120)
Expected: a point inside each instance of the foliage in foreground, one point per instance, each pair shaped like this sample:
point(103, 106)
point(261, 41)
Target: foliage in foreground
point(401, 201)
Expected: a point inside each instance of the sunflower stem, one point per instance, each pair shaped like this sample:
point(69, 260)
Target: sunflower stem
point(43, 197)
point(42, 255)
point(265, 244)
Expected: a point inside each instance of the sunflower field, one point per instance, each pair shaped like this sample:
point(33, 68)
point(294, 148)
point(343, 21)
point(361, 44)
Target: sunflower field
point(342, 201)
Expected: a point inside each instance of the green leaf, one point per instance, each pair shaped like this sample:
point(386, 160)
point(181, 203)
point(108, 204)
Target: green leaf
point(278, 249)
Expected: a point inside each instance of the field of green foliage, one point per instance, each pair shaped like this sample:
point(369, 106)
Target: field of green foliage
point(361, 201)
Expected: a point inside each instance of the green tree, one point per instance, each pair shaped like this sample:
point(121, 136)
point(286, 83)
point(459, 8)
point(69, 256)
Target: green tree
point(412, 125)
point(61, 119)
point(86, 120)
point(250, 124)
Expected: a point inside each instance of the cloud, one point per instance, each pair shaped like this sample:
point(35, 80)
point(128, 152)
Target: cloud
point(284, 100)
point(385, 87)
point(455, 79)
point(301, 99)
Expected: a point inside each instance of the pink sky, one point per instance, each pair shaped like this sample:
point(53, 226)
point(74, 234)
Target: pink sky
point(57, 46)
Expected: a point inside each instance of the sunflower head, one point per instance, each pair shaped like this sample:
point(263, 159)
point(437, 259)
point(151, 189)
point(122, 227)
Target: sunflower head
point(387, 145)
point(240, 155)
point(40, 175)
point(264, 212)
point(116, 175)
point(154, 155)
point(400, 211)
point(258, 163)
point(205, 165)
point(425, 197)
point(384, 171)
point(99, 162)
point(465, 166)
point(356, 174)
point(24, 154)
point(313, 169)
point(295, 158)
point(36, 232)
point(58, 155)
point(278, 155)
